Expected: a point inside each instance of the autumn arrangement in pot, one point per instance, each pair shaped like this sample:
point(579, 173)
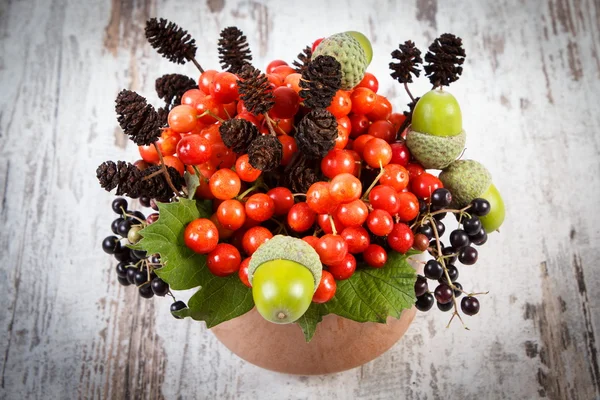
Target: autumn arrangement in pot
point(298, 190)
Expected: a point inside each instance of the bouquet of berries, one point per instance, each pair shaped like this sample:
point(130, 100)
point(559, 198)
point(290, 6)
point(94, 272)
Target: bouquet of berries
point(298, 190)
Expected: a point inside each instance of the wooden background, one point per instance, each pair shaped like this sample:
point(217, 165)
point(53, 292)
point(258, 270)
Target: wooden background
point(530, 97)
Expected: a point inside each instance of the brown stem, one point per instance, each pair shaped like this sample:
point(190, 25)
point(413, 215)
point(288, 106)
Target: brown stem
point(452, 287)
point(408, 91)
point(333, 230)
point(197, 65)
point(165, 170)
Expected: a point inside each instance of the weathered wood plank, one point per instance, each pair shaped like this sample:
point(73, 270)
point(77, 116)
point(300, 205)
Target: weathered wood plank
point(529, 98)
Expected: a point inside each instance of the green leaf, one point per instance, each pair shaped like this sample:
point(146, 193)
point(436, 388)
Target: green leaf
point(374, 294)
point(191, 182)
point(182, 267)
point(220, 299)
point(311, 318)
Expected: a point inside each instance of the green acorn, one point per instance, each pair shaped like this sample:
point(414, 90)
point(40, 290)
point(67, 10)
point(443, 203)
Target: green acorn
point(436, 137)
point(284, 273)
point(468, 180)
point(352, 50)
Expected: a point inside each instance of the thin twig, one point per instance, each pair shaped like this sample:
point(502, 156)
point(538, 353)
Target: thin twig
point(197, 65)
point(409, 93)
point(165, 170)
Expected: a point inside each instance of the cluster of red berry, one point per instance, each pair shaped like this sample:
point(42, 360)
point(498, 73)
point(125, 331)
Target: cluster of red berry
point(339, 217)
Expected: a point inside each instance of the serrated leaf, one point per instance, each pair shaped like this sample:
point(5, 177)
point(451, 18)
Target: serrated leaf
point(182, 267)
point(191, 182)
point(371, 295)
point(220, 299)
point(311, 318)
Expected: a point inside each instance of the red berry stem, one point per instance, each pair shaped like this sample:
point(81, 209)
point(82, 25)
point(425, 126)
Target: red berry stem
point(259, 183)
point(377, 178)
point(270, 123)
point(208, 112)
point(333, 230)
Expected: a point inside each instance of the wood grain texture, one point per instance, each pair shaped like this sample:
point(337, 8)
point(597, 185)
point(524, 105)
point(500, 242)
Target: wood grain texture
point(529, 95)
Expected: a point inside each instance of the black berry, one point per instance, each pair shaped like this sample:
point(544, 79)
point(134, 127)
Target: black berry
point(459, 239)
point(421, 286)
point(140, 278)
point(123, 281)
point(145, 201)
point(422, 206)
point(425, 302)
point(177, 306)
point(471, 225)
point(124, 227)
point(139, 254)
point(443, 293)
point(433, 270)
point(441, 228)
point(480, 207)
point(111, 245)
point(451, 254)
point(114, 227)
point(441, 197)
point(452, 273)
point(469, 305)
point(457, 292)
point(121, 269)
point(131, 271)
point(146, 291)
point(135, 217)
point(479, 238)
point(123, 255)
point(467, 255)
point(445, 307)
point(118, 205)
point(426, 230)
point(159, 287)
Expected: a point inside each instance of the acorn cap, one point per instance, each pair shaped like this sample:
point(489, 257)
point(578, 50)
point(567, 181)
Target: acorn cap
point(282, 247)
point(435, 152)
point(466, 180)
point(349, 52)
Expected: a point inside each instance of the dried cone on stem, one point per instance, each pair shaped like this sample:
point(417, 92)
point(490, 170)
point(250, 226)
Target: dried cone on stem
point(265, 153)
point(444, 58)
point(321, 79)
point(138, 119)
point(234, 52)
point(238, 134)
point(255, 90)
point(157, 187)
point(123, 176)
point(303, 60)
point(171, 87)
point(316, 133)
point(130, 181)
point(409, 57)
point(172, 42)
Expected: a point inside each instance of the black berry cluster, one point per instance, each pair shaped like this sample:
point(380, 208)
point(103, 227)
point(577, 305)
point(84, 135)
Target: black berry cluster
point(135, 267)
point(443, 267)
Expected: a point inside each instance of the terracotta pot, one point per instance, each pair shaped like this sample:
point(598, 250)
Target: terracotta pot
point(338, 344)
